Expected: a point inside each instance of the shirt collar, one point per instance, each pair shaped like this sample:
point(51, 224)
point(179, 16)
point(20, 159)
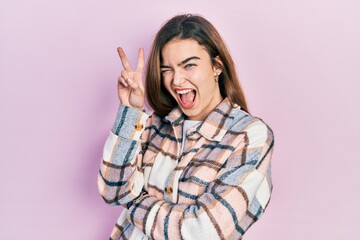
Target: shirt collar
point(215, 125)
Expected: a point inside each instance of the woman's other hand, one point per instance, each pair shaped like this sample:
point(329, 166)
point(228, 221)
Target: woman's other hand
point(130, 86)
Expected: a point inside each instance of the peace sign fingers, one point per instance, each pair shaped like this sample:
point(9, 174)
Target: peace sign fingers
point(124, 59)
point(140, 65)
point(130, 86)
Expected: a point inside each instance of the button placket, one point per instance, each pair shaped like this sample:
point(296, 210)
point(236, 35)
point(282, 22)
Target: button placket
point(168, 190)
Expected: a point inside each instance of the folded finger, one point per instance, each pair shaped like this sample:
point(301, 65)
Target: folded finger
point(125, 74)
point(133, 84)
point(122, 81)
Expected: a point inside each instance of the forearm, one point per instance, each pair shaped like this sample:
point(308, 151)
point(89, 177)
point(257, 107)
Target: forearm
point(229, 205)
point(214, 215)
point(120, 177)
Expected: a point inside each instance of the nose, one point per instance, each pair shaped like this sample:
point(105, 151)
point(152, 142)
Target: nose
point(178, 78)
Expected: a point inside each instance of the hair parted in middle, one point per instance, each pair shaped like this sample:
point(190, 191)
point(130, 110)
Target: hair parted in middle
point(189, 26)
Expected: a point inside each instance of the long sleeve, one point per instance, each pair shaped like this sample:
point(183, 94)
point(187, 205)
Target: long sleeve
point(120, 179)
point(230, 204)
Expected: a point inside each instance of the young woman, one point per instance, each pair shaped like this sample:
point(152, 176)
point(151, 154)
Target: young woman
point(199, 166)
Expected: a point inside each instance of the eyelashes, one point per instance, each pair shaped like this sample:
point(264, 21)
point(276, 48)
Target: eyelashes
point(190, 65)
point(187, 66)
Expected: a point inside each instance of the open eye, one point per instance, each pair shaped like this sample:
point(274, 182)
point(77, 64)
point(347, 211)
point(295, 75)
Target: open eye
point(190, 65)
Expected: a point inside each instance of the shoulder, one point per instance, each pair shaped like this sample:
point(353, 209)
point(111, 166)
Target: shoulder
point(254, 127)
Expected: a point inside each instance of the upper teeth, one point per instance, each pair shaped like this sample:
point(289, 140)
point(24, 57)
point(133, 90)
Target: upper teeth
point(183, 91)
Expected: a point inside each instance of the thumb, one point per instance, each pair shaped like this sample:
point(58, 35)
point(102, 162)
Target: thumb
point(133, 84)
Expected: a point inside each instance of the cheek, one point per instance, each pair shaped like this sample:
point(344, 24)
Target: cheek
point(205, 80)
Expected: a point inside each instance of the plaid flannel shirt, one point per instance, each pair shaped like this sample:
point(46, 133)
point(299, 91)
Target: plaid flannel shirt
point(215, 189)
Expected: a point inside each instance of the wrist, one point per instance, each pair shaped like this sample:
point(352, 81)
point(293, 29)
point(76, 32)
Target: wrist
point(129, 122)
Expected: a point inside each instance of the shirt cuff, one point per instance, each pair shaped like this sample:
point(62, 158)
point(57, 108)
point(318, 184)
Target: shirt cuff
point(129, 123)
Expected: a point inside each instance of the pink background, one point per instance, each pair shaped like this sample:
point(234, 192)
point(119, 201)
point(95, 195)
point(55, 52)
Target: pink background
point(299, 62)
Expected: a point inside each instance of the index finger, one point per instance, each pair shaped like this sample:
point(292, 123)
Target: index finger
point(124, 59)
point(140, 64)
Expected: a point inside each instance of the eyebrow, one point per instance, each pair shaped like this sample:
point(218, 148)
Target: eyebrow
point(183, 61)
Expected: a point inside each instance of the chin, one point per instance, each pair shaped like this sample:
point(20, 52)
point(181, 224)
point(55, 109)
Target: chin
point(192, 115)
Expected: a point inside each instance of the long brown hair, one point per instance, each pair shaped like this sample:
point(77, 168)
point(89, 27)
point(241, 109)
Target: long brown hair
point(188, 26)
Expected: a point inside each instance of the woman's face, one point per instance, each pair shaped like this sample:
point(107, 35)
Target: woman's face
point(189, 76)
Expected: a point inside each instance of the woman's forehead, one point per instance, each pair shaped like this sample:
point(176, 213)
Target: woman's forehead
point(180, 49)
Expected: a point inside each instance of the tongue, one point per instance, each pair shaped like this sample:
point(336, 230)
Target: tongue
point(188, 98)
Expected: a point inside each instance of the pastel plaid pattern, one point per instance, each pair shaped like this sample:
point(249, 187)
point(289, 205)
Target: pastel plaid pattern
point(216, 189)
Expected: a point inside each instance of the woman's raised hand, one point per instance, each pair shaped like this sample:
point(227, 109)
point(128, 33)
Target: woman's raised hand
point(130, 86)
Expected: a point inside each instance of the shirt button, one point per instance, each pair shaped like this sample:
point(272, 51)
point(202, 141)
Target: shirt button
point(138, 126)
point(168, 190)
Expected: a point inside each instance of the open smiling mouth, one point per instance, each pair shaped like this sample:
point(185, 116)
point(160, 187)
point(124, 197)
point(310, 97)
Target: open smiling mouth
point(186, 97)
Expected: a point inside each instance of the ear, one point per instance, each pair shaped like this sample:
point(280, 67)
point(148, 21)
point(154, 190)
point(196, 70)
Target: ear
point(217, 65)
